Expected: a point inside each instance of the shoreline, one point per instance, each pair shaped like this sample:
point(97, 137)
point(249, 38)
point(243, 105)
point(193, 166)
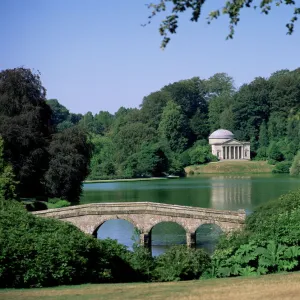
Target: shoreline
point(124, 180)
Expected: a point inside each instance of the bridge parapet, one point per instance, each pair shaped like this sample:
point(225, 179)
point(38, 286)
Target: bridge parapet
point(145, 215)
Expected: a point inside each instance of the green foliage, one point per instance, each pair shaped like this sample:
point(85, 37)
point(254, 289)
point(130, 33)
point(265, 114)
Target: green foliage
point(60, 113)
point(233, 9)
point(201, 155)
point(24, 126)
point(7, 178)
point(282, 167)
point(37, 253)
point(181, 263)
point(149, 161)
point(295, 168)
point(173, 127)
point(263, 135)
point(274, 153)
point(59, 204)
point(70, 153)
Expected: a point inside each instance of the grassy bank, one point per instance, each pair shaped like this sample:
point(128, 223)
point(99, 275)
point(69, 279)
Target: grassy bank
point(275, 287)
point(125, 180)
point(226, 167)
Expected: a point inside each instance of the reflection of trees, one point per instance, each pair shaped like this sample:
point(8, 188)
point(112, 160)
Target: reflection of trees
point(207, 236)
point(230, 191)
point(168, 233)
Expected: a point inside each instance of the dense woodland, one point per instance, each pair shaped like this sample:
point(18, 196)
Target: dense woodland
point(170, 129)
point(51, 150)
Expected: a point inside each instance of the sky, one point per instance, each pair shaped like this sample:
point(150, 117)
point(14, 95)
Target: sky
point(94, 55)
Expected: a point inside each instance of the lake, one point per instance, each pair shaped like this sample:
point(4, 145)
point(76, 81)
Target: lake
point(228, 192)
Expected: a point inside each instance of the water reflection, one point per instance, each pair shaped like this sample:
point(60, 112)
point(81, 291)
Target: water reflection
point(230, 192)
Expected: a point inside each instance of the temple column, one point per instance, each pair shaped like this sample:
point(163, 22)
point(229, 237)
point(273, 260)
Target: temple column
point(234, 152)
point(191, 240)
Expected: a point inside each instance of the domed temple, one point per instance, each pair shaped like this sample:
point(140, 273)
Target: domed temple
point(225, 146)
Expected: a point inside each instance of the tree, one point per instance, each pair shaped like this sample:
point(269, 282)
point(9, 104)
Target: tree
point(220, 89)
point(7, 178)
point(70, 152)
point(59, 112)
point(231, 8)
point(153, 105)
point(25, 126)
point(251, 107)
point(174, 128)
point(103, 159)
point(189, 95)
point(104, 120)
point(219, 84)
point(130, 137)
point(295, 168)
point(199, 125)
point(263, 136)
point(150, 161)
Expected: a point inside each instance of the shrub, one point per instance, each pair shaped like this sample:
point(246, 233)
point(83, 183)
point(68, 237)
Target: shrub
point(37, 252)
point(272, 162)
point(58, 204)
point(277, 220)
point(181, 263)
point(282, 167)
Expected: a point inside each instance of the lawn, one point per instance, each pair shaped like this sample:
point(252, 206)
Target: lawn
point(275, 287)
point(227, 167)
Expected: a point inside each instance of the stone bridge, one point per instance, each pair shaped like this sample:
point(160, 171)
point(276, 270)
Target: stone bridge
point(145, 215)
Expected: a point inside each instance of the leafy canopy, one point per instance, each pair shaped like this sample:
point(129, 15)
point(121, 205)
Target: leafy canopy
point(230, 8)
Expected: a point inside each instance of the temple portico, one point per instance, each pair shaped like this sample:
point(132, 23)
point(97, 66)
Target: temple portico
point(225, 147)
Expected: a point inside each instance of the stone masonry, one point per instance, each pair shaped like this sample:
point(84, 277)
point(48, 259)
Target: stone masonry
point(145, 215)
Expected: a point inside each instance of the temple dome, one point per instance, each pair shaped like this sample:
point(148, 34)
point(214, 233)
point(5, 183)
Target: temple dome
point(221, 134)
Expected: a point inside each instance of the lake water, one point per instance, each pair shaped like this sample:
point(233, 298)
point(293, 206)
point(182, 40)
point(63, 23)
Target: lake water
point(228, 192)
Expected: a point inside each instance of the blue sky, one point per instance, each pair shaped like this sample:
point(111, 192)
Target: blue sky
point(94, 55)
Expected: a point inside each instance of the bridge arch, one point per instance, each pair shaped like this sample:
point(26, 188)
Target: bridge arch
point(165, 219)
point(104, 219)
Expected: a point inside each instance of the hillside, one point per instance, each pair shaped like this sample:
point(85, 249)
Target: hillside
point(230, 167)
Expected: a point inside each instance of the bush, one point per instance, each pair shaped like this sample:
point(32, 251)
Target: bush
point(181, 263)
point(58, 204)
point(37, 252)
point(277, 220)
point(282, 167)
point(272, 162)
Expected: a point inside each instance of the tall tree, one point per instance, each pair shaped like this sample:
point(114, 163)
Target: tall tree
point(263, 136)
point(153, 106)
point(25, 126)
point(70, 152)
point(251, 107)
point(219, 84)
point(174, 128)
point(189, 95)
